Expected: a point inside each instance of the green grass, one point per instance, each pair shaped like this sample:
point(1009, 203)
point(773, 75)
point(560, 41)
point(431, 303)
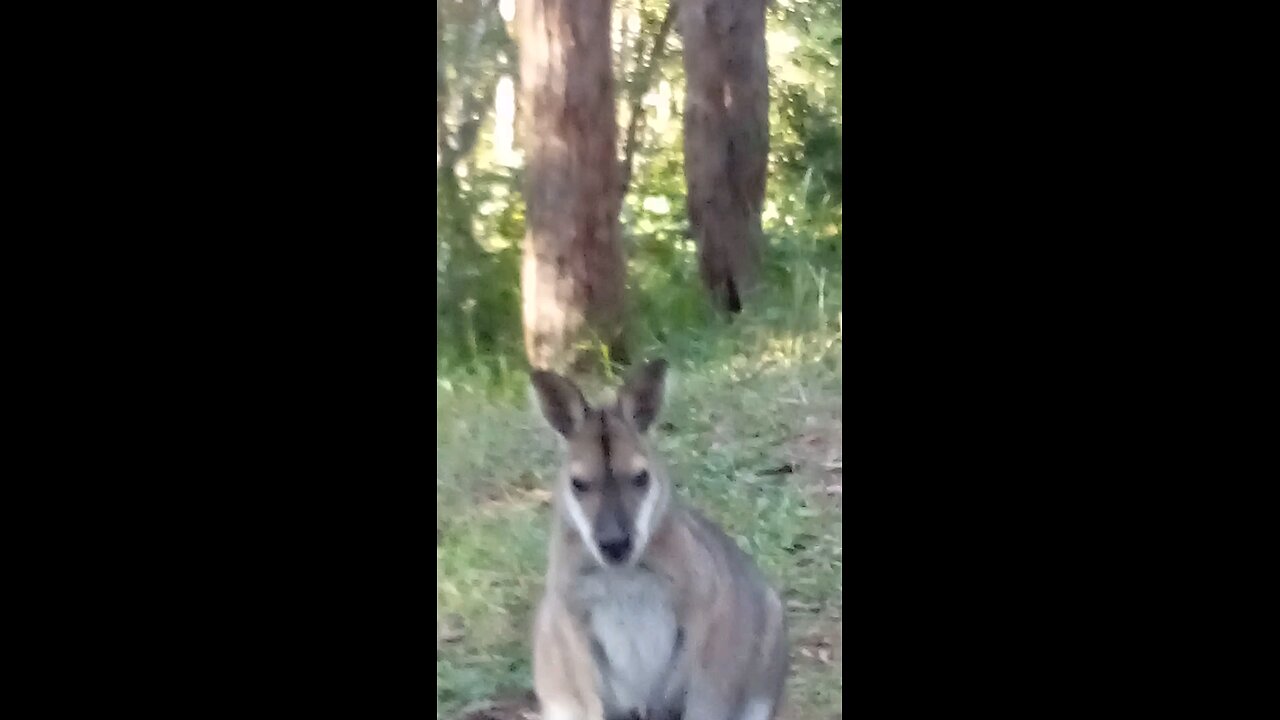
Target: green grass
point(746, 399)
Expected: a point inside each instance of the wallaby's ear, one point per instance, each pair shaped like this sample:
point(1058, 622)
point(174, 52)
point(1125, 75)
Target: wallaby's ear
point(562, 403)
point(642, 396)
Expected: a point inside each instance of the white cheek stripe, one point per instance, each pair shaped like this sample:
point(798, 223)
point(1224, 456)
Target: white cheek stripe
point(558, 711)
point(584, 528)
point(644, 519)
point(757, 710)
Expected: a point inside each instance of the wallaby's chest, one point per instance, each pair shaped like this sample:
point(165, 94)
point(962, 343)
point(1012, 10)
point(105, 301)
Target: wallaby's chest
point(635, 637)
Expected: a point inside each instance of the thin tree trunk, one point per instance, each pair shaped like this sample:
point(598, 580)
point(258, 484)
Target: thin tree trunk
point(726, 141)
point(644, 78)
point(572, 276)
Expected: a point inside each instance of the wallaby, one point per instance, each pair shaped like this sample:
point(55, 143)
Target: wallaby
point(650, 611)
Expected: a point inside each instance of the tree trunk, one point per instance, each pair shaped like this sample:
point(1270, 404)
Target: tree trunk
point(726, 141)
point(573, 276)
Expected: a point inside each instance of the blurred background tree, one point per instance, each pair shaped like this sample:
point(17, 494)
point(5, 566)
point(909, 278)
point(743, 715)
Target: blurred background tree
point(664, 297)
point(726, 141)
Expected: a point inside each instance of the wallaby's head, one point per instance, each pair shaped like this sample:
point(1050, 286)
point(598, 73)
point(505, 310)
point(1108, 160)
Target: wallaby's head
point(611, 489)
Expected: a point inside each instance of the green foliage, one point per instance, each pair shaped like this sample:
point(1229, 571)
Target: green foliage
point(749, 396)
point(478, 235)
point(480, 213)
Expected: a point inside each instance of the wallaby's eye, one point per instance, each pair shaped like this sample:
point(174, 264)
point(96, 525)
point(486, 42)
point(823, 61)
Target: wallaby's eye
point(641, 479)
point(579, 485)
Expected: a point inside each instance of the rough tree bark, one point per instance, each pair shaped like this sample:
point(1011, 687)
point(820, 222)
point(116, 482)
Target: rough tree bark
point(726, 141)
point(572, 276)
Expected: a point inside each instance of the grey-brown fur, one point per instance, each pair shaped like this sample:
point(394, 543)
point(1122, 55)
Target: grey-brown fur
point(680, 625)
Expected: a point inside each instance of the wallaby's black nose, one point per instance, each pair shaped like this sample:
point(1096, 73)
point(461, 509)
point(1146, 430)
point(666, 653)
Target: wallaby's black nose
point(616, 550)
